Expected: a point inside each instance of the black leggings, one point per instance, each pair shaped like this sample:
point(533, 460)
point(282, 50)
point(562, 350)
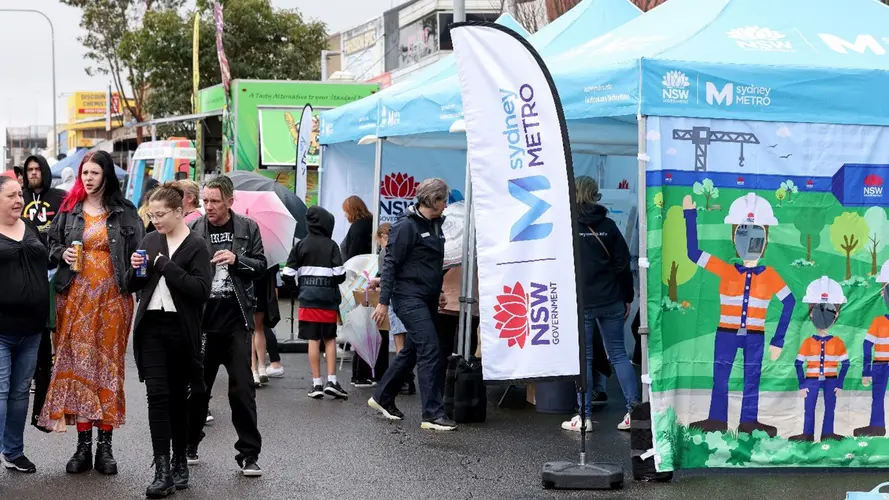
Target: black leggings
point(166, 368)
point(271, 345)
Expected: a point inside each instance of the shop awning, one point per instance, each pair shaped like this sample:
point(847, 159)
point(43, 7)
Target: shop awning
point(175, 119)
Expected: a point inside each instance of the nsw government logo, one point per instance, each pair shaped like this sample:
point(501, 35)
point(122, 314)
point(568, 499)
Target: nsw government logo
point(519, 314)
point(397, 192)
point(873, 186)
point(760, 39)
point(675, 89)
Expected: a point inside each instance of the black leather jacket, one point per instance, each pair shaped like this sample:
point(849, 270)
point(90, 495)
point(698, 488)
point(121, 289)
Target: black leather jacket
point(125, 231)
point(251, 263)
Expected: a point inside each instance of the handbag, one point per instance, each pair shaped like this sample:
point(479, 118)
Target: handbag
point(873, 494)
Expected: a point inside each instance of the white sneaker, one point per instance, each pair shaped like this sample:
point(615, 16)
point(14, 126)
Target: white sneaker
point(574, 424)
point(275, 372)
point(625, 423)
point(256, 381)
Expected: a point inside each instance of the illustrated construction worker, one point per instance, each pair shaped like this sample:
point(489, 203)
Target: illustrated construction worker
point(876, 363)
point(822, 362)
point(745, 292)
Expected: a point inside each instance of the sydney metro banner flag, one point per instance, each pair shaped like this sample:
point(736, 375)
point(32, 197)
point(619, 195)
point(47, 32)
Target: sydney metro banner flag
point(304, 140)
point(522, 184)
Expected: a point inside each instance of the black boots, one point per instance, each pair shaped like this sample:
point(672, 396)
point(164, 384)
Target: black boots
point(179, 469)
point(162, 486)
point(105, 462)
point(82, 460)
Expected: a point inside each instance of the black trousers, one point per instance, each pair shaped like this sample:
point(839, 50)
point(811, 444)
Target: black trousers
point(231, 350)
point(42, 374)
point(271, 345)
point(166, 368)
point(362, 371)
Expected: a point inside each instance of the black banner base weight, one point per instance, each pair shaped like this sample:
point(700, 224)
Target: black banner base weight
point(574, 476)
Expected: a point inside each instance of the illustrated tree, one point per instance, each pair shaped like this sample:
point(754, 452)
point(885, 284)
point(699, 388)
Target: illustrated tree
point(848, 234)
point(878, 234)
point(780, 195)
point(658, 201)
point(810, 222)
point(707, 190)
point(677, 269)
point(790, 188)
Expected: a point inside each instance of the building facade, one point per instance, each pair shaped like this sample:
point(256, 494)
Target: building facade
point(22, 142)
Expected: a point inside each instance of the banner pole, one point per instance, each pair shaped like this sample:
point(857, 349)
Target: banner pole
point(465, 277)
point(378, 173)
point(642, 210)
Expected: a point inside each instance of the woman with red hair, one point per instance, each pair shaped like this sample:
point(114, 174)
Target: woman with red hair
point(93, 311)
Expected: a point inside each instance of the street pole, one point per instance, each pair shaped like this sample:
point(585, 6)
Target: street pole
point(459, 11)
point(52, 31)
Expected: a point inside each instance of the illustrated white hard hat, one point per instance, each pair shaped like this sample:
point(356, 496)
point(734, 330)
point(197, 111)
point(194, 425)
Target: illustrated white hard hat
point(824, 291)
point(883, 277)
point(751, 209)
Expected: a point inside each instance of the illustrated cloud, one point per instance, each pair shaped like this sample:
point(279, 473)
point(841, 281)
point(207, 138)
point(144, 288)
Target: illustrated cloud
point(653, 135)
point(671, 151)
point(783, 132)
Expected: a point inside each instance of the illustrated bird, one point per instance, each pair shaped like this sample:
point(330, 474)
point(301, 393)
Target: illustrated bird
point(786, 156)
point(773, 146)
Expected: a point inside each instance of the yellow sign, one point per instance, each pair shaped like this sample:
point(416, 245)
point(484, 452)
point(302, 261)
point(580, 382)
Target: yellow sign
point(83, 105)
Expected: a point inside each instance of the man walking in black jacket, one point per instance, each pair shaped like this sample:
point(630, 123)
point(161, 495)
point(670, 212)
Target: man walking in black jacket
point(41, 204)
point(412, 275)
point(238, 259)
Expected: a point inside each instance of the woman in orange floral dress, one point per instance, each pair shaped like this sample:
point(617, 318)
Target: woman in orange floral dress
point(94, 312)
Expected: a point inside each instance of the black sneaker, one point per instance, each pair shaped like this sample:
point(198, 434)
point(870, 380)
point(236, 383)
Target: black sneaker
point(439, 424)
point(363, 383)
point(249, 467)
point(191, 455)
point(335, 390)
point(317, 392)
point(20, 464)
point(389, 411)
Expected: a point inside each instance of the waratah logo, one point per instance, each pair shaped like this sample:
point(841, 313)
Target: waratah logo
point(399, 186)
point(873, 186)
point(511, 315)
point(675, 80)
point(754, 33)
point(760, 39)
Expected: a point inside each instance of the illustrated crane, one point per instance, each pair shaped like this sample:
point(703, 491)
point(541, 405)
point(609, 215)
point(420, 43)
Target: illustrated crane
point(702, 137)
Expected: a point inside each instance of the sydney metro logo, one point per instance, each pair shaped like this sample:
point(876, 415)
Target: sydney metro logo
point(873, 186)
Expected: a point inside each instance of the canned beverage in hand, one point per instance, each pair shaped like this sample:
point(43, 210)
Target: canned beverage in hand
point(77, 264)
point(142, 270)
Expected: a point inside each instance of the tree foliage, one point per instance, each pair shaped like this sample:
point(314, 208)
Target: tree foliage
point(848, 234)
point(707, 190)
point(107, 23)
point(878, 233)
point(261, 42)
point(677, 269)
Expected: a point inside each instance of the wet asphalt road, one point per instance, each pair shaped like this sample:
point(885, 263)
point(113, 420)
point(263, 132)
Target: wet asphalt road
point(339, 449)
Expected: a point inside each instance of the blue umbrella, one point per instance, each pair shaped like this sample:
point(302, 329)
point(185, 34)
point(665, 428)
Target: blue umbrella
point(74, 160)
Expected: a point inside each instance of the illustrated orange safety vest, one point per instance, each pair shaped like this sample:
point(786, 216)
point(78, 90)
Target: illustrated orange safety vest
point(822, 357)
point(878, 334)
point(744, 293)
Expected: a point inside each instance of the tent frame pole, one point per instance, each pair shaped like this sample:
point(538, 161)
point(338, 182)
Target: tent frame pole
point(643, 255)
point(378, 173)
point(467, 263)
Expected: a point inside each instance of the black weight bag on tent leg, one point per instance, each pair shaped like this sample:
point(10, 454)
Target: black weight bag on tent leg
point(641, 440)
point(466, 398)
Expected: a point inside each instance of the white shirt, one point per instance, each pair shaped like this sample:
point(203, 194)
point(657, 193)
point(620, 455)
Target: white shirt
point(161, 299)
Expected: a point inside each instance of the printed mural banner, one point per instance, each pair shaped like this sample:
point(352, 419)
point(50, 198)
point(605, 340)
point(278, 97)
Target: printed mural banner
point(767, 292)
point(521, 174)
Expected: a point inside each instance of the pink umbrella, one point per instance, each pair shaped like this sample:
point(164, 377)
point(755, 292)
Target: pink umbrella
point(276, 225)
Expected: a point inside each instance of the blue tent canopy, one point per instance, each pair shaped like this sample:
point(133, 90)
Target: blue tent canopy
point(357, 119)
point(819, 61)
point(434, 107)
point(74, 160)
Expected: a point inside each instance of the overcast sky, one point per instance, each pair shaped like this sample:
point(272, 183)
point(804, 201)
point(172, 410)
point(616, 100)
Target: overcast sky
point(26, 53)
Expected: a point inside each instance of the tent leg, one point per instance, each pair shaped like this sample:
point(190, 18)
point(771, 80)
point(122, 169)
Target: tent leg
point(320, 172)
point(378, 177)
point(643, 254)
point(467, 274)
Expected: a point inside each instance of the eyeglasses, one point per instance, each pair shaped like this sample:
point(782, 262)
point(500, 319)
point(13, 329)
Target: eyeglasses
point(159, 215)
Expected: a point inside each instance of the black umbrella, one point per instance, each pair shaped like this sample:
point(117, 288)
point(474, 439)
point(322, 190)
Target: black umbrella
point(251, 181)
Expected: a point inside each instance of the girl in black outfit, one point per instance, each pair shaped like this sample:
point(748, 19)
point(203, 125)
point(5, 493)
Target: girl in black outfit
point(167, 331)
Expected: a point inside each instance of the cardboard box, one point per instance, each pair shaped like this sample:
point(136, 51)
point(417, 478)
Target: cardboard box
point(370, 299)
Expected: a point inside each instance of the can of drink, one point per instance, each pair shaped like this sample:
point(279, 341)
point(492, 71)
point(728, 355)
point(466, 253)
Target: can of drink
point(142, 270)
point(77, 265)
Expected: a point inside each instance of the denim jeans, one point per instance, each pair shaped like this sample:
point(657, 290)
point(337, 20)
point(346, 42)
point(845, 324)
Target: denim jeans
point(421, 349)
point(610, 320)
point(18, 359)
